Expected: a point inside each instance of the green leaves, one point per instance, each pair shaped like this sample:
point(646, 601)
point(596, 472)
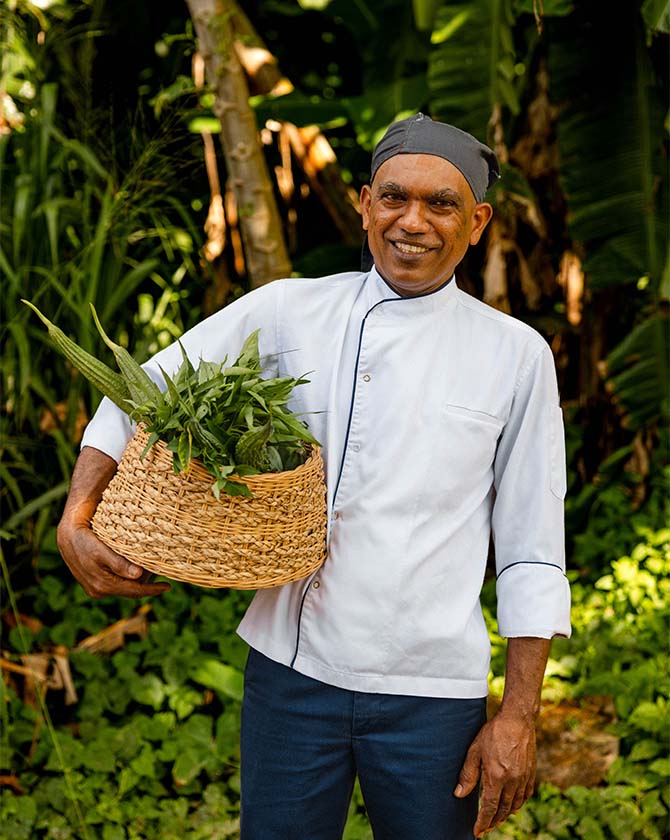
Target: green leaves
point(223, 678)
point(611, 141)
point(638, 370)
point(472, 67)
point(231, 419)
point(251, 448)
point(656, 14)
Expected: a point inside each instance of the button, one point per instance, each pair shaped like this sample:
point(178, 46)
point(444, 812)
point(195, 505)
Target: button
point(316, 584)
point(336, 514)
point(356, 447)
point(366, 377)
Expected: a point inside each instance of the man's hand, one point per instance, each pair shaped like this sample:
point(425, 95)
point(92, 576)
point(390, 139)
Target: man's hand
point(98, 569)
point(503, 753)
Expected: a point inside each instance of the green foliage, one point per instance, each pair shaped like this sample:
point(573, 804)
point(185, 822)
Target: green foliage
point(613, 161)
point(619, 648)
point(70, 234)
point(149, 749)
point(656, 14)
point(474, 37)
point(638, 372)
point(230, 418)
point(607, 516)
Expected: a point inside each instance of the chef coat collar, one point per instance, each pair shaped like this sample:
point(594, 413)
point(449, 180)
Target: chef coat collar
point(378, 290)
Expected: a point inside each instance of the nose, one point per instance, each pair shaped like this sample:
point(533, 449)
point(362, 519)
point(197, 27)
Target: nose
point(413, 219)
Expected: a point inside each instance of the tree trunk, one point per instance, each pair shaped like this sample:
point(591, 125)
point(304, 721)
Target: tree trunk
point(262, 235)
point(310, 146)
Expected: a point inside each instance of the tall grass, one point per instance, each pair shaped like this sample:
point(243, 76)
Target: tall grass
point(70, 234)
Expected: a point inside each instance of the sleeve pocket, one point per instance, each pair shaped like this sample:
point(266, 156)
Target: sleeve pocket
point(558, 471)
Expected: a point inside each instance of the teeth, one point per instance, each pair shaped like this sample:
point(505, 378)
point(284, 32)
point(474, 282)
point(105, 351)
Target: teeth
point(410, 249)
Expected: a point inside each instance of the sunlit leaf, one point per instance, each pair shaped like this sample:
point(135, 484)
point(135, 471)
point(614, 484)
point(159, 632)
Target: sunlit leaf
point(223, 678)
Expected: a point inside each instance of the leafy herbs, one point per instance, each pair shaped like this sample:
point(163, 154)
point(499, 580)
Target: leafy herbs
point(230, 418)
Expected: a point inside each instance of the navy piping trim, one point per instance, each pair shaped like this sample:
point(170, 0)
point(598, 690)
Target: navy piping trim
point(530, 563)
point(353, 393)
point(344, 453)
point(346, 437)
point(297, 639)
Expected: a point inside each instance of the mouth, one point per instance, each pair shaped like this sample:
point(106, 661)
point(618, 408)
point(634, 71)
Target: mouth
point(410, 250)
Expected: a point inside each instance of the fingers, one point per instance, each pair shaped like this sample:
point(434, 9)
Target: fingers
point(498, 802)
point(488, 809)
point(530, 787)
point(504, 807)
point(107, 586)
point(469, 775)
point(101, 571)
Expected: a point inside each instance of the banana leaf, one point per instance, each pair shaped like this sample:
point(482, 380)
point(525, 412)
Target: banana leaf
point(473, 65)
point(656, 14)
point(637, 373)
point(610, 133)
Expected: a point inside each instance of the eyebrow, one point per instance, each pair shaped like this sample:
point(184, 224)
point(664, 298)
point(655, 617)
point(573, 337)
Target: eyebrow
point(391, 186)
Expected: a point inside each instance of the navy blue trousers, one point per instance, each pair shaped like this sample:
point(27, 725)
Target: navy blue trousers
point(303, 743)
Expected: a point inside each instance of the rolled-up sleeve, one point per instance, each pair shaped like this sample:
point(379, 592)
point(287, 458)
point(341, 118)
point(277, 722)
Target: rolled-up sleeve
point(528, 529)
point(214, 338)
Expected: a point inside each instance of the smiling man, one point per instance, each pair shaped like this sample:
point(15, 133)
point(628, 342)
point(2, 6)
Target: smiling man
point(441, 426)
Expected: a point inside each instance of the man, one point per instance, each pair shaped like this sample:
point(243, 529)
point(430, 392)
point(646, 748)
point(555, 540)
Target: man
point(440, 422)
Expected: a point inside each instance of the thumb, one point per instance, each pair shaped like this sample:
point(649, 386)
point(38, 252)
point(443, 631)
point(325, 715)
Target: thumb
point(469, 775)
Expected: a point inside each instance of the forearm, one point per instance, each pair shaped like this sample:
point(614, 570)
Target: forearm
point(92, 473)
point(524, 672)
point(503, 753)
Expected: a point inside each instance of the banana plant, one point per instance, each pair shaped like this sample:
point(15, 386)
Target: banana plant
point(473, 65)
point(637, 373)
point(613, 165)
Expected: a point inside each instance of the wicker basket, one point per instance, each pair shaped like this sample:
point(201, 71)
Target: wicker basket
point(172, 524)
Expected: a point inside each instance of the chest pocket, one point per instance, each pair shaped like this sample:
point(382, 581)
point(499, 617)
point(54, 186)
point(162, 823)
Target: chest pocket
point(464, 443)
point(475, 415)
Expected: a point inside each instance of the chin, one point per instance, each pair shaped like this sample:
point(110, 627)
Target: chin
point(410, 287)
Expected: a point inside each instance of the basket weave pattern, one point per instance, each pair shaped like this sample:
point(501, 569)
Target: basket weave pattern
point(172, 524)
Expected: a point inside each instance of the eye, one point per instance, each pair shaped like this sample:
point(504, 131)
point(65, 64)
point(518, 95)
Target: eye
point(393, 196)
point(441, 203)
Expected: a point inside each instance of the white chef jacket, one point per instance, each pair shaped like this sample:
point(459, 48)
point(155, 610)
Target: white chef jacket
point(440, 423)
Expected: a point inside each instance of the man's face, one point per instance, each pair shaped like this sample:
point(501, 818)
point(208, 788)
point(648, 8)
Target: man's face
point(421, 216)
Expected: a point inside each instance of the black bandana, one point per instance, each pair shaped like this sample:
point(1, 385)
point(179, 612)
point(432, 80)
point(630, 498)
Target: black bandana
point(419, 135)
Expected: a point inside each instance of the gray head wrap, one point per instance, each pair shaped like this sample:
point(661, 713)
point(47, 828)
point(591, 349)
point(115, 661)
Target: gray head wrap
point(419, 135)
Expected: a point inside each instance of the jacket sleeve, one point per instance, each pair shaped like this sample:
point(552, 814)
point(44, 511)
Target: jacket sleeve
point(528, 530)
point(219, 336)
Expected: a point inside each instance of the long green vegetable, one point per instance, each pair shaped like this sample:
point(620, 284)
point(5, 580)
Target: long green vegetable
point(142, 388)
point(230, 418)
point(106, 380)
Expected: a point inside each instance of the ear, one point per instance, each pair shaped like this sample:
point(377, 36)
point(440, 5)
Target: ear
point(481, 216)
point(366, 199)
